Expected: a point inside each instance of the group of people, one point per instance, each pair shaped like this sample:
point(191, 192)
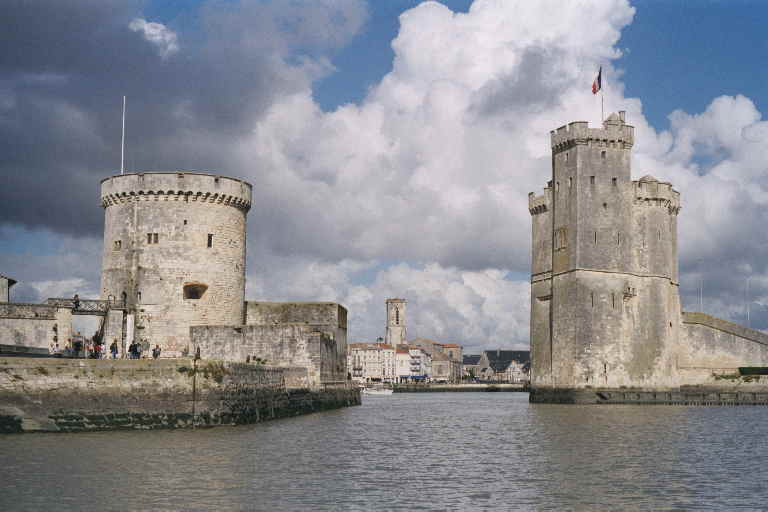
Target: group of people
point(79, 347)
point(135, 351)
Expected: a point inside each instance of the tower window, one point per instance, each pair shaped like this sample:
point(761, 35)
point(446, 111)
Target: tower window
point(566, 156)
point(561, 239)
point(185, 222)
point(152, 238)
point(194, 291)
point(595, 237)
point(118, 245)
point(592, 296)
point(602, 155)
point(155, 236)
point(591, 180)
point(618, 238)
point(397, 316)
point(570, 182)
point(614, 181)
point(557, 186)
point(210, 240)
point(613, 300)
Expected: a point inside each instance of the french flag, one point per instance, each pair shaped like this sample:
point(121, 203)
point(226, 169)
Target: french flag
point(598, 83)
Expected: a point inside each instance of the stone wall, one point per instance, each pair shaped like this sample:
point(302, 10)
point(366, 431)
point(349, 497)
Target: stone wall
point(34, 326)
point(83, 395)
point(283, 345)
point(712, 347)
point(328, 351)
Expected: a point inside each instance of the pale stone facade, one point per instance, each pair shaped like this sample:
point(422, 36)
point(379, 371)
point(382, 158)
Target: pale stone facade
point(605, 306)
point(372, 362)
point(174, 250)
point(395, 334)
point(5, 288)
point(312, 335)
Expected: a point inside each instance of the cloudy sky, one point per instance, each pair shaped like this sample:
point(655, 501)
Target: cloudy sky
point(391, 145)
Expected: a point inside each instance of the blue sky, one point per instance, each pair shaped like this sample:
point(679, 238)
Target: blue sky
point(381, 180)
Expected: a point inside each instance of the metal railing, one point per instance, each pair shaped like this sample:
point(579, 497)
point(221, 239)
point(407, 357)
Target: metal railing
point(86, 306)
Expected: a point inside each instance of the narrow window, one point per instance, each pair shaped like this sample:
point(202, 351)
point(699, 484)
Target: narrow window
point(595, 237)
point(592, 296)
point(185, 222)
point(138, 294)
point(602, 155)
point(210, 240)
point(614, 181)
point(566, 156)
point(613, 300)
point(557, 186)
point(397, 316)
point(659, 234)
point(118, 244)
point(149, 238)
point(591, 180)
point(618, 238)
point(570, 182)
point(155, 236)
point(561, 239)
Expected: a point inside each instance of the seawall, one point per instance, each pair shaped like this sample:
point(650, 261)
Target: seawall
point(456, 388)
point(733, 393)
point(75, 395)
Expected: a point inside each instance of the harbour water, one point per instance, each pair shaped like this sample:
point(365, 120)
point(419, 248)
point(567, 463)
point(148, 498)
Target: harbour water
point(432, 451)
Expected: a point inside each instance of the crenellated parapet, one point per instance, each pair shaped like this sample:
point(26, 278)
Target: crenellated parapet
point(190, 187)
point(538, 204)
point(614, 134)
point(648, 191)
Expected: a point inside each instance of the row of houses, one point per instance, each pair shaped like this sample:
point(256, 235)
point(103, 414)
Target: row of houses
point(425, 360)
point(420, 360)
point(509, 366)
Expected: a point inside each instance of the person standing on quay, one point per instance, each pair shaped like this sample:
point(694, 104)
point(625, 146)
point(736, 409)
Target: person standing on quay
point(156, 352)
point(113, 348)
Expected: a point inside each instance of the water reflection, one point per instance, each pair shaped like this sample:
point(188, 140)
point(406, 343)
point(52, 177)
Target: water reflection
point(459, 451)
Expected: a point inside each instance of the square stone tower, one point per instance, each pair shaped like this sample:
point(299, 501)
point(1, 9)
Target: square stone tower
point(605, 309)
point(395, 322)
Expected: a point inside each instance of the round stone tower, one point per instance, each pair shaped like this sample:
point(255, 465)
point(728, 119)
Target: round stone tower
point(174, 252)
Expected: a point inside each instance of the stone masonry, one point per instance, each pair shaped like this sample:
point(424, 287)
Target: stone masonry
point(312, 335)
point(395, 334)
point(174, 250)
point(605, 305)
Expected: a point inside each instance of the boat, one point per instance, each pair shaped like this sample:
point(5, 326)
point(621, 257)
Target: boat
point(377, 391)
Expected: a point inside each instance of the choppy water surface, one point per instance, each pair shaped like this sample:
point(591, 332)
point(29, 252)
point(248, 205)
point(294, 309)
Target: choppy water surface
point(432, 451)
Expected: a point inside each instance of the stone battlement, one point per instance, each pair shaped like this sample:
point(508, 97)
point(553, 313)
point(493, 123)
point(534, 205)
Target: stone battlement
point(651, 192)
point(614, 133)
point(538, 204)
point(176, 186)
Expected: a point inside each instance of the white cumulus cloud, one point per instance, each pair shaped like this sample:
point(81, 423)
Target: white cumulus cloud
point(158, 34)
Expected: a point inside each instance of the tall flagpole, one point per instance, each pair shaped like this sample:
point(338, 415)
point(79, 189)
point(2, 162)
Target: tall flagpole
point(122, 143)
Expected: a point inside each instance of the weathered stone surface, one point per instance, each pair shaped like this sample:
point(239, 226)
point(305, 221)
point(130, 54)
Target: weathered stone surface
point(605, 305)
point(82, 395)
point(165, 233)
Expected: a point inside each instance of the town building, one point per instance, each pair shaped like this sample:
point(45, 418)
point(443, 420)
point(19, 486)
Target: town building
point(509, 366)
point(470, 368)
point(446, 359)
